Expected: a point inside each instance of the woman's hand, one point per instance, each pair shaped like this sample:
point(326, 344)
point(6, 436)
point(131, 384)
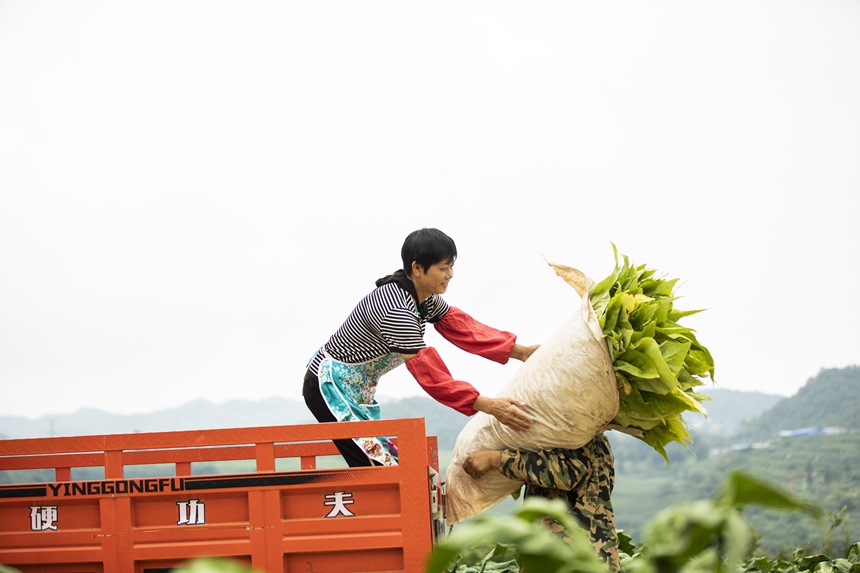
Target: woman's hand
point(505, 410)
point(521, 352)
point(479, 463)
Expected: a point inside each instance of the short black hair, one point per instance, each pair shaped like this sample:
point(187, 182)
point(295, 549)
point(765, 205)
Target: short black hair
point(427, 247)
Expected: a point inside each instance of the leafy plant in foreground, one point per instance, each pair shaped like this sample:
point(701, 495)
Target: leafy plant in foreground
point(537, 549)
point(707, 536)
point(800, 563)
point(710, 535)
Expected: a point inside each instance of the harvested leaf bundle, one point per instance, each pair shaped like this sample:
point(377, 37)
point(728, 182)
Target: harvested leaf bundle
point(658, 362)
point(620, 361)
point(570, 391)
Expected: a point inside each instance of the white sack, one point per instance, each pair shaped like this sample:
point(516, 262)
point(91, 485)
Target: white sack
point(569, 388)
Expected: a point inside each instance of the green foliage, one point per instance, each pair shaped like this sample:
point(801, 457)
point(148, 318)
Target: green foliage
point(537, 549)
point(743, 489)
point(658, 362)
point(824, 468)
point(801, 562)
point(711, 535)
point(707, 536)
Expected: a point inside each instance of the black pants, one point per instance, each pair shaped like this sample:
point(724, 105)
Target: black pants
point(351, 452)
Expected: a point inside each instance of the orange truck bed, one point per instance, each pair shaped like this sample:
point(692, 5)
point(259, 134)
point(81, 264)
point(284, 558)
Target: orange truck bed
point(304, 519)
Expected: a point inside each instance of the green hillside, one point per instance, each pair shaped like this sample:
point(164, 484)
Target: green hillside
point(824, 468)
point(728, 410)
point(440, 421)
point(831, 398)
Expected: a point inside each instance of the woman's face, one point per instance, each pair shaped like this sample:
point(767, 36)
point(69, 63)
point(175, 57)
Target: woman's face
point(433, 280)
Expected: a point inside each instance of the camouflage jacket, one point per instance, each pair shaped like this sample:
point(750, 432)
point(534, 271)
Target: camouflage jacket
point(584, 477)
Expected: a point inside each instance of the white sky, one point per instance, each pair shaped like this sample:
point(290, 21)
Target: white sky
point(194, 194)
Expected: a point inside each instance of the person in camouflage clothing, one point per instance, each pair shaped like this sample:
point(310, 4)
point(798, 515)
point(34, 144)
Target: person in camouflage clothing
point(583, 477)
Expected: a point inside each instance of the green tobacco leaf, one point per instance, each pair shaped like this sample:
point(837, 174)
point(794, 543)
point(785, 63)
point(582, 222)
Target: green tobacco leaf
point(651, 353)
point(625, 542)
point(638, 362)
point(689, 401)
point(702, 355)
point(853, 553)
point(639, 402)
point(698, 533)
point(601, 292)
point(741, 489)
point(538, 548)
point(651, 349)
point(478, 532)
point(643, 315)
point(610, 314)
point(677, 315)
point(687, 381)
point(737, 538)
point(698, 396)
point(824, 564)
point(622, 322)
point(628, 277)
point(647, 331)
point(617, 311)
point(697, 363)
point(638, 300)
point(659, 288)
point(673, 430)
point(639, 368)
point(674, 353)
point(624, 419)
point(673, 331)
point(672, 404)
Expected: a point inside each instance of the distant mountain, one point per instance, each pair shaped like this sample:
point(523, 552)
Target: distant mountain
point(726, 412)
point(831, 398)
point(440, 421)
point(196, 415)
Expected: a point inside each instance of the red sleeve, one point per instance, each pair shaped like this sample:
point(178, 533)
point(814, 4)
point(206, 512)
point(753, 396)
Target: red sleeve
point(465, 332)
point(432, 374)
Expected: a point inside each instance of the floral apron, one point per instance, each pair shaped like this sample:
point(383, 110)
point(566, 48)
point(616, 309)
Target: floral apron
point(349, 390)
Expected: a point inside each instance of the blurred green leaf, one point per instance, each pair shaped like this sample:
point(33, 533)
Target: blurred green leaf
point(539, 550)
point(741, 489)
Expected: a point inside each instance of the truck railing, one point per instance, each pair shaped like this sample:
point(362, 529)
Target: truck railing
point(307, 519)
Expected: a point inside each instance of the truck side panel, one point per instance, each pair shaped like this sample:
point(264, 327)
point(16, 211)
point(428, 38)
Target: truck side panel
point(345, 520)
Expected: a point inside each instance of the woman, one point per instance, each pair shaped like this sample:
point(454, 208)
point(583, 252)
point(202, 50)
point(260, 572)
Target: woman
point(386, 329)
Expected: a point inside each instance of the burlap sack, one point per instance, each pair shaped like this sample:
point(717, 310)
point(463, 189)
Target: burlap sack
point(569, 387)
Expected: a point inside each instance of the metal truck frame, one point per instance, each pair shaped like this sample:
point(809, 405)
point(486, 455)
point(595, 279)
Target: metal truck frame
point(274, 518)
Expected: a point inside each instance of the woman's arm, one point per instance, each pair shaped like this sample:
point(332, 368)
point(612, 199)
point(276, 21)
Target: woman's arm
point(505, 410)
point(474, 337)
point(433, 376)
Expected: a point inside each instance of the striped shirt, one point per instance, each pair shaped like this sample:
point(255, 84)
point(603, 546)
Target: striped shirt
point(386, 320)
